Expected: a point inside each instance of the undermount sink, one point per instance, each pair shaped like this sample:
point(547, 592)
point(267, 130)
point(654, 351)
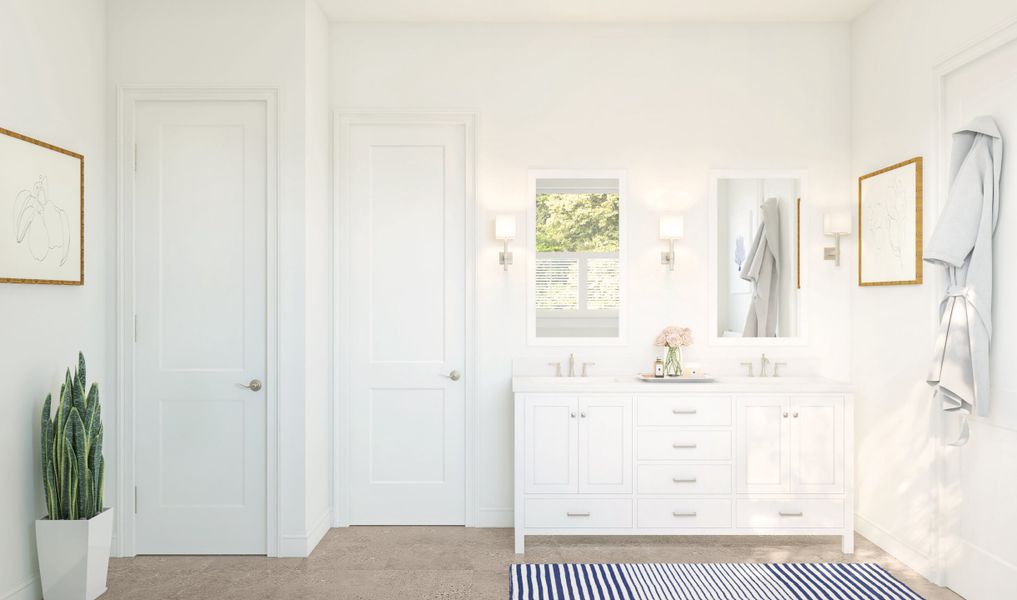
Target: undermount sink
point(632, 384)
point(579, 380)
point(764, 380)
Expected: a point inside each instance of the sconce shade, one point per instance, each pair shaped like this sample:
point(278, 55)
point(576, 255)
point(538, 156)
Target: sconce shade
point(505, 227)
point(672, 227)
point(838, 223)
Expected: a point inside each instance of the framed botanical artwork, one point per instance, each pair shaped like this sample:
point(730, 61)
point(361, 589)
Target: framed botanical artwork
point(890, 225)
point(42, 212)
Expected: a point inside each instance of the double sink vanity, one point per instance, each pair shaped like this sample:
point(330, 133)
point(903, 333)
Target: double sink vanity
point(620, 455)
point(738, 456)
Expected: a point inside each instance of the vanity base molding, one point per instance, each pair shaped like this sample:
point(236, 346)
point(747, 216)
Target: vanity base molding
point(676, 463)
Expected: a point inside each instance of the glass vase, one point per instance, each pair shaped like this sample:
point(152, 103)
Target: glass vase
point(673, 362)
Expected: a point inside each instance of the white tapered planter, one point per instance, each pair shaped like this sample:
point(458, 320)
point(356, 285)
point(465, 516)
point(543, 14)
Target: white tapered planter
point(74, 556)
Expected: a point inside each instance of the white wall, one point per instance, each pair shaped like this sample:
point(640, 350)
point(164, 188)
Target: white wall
point(52, 89)
point(895, 46)
point(256, 43)
point(318, 280)
point(667, 103)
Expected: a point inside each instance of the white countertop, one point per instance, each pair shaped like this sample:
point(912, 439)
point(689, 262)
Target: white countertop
point(631, 384)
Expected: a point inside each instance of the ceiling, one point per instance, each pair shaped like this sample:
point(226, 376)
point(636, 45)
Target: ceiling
point(593, 11)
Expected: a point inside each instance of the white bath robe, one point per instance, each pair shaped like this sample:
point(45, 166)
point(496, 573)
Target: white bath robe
point(962, 244)
point(762, 269)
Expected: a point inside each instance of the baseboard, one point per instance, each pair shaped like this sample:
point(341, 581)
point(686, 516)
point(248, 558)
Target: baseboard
point(494, 517)
point(915, 559)
point(981, 574)
point(302, 544)
point(318, 530)
point(30, 589)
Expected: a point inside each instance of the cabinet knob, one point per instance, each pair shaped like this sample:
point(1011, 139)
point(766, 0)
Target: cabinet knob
point(785, 414)
point(572, 414)
point(582, 414)
point(795, 415)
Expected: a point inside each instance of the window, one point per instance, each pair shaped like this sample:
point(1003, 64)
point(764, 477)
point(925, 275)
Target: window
point(577, 275)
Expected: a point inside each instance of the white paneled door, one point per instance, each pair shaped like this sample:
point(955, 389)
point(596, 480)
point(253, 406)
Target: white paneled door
point(407, 197)
point(762, 453)
point(200, 334)
point(551, 446)
point(817, 445)
point(605, 445)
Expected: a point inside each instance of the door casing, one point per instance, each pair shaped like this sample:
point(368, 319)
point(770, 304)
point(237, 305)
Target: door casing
point(127, 99)
point(343, 119)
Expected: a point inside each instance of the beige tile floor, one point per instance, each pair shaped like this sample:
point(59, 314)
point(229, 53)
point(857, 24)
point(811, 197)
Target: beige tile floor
point(382, 563)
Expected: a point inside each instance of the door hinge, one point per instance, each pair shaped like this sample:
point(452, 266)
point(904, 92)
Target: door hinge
point(135, 499)
point(135, 158)
point(135, 328)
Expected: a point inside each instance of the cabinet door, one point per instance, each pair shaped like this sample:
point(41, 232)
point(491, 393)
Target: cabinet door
point(761, 448)
point(605, 445)
point(817, 445)
point(551, 444)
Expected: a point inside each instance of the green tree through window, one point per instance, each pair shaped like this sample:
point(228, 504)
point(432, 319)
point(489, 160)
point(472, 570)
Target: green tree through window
point(577, 222)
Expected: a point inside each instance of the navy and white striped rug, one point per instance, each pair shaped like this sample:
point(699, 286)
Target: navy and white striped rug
point(715, 581)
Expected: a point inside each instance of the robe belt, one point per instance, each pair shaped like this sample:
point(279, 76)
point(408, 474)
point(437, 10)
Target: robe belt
point(965, 292)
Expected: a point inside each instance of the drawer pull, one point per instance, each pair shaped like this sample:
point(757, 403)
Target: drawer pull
point(791, 514)
point(683, 479)
point(683, 411)
point(577, 514)
point(684, 514)
point(680, 445)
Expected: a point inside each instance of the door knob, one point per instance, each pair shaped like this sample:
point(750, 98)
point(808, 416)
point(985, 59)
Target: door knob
point(453, 375)
point(254, 386)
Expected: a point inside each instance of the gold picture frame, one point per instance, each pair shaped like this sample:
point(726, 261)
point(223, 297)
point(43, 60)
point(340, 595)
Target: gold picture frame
point(19, 161)
point(889, 195)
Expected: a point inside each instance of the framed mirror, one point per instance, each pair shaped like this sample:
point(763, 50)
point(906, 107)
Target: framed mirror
point(756, 296)
point(576, 225)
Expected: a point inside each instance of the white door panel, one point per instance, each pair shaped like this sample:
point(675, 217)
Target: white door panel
point(817, 445)
point(200, 283)
point(550, 446)
point(978, 475)
point(762, 453)
point(407, 201)
point(605, 445)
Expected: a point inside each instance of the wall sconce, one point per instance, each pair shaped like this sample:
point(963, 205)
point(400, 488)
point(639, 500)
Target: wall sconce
point(672, 228)
point(505, 230)
point(835, 224)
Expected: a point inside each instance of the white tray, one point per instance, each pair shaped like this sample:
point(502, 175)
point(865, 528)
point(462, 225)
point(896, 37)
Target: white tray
point(693, 379)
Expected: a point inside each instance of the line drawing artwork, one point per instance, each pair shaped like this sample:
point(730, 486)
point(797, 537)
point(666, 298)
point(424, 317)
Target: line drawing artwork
point(40, 225)
point(886, 218)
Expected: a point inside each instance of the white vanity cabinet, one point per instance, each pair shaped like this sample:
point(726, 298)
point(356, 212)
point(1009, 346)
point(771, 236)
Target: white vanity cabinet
point(577, 444)
point(615, 456)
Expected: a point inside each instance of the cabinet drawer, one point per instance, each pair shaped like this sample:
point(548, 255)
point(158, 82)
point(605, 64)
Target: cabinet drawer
point(682, 410)
point(679, 513)
point(759, 514)
point(683, 444)
point(579, 512)
point(683, 478)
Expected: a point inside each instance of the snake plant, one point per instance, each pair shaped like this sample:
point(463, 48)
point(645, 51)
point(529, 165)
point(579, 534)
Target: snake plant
point(72, 463)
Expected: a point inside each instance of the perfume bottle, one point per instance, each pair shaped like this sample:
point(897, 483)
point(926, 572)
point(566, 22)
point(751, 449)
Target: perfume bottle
point(658, 367)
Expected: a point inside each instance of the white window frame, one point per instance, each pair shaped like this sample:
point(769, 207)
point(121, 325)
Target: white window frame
point(531, 258)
